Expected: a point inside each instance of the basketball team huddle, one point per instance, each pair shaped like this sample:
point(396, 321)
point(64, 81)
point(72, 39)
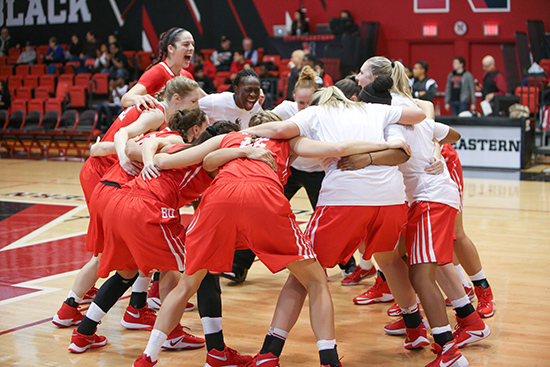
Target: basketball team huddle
point(392, 189)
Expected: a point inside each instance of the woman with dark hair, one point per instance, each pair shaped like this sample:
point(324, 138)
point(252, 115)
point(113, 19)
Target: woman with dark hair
point(460, 91)
point(241, 104)
point(175, 51)
point(299, 25)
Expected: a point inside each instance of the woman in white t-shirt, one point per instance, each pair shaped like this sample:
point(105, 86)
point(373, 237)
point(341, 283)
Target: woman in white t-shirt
point(240, 105)
point(367, 204)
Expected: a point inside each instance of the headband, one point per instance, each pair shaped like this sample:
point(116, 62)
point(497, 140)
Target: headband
point(212, 130)
point(173, 34)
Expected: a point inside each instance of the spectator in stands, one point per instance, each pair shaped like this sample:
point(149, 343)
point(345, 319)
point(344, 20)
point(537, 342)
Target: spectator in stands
point(90, 47)
point(319, 67)
point(5, 42)
point(460, 88)
point(28, 56)
point(423, 87)
point(299, 26)
point(268, 83)
point(295, 64)
point(113, 38)
point(494, 83)
point(223, 57)
point(408, 71)
point(249, 52)
point(207, 66)
point(55, 52)
point(75, 49)
point(117, 63)
point(5, 97)
point(348, 24)
point(101, 62)
point(117, 88)
point(237, 64)
point(204, 81)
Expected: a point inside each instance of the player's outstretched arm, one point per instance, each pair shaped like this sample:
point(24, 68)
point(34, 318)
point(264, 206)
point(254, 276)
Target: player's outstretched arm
point(189, 156)
point(218, 158)
point(317, 149)
point(275, 130)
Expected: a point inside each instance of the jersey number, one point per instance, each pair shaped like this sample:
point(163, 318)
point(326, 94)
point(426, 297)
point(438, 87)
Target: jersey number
point(256, 143)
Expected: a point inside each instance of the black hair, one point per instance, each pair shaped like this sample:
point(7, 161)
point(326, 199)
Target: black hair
point(116, 44)
point(240, 51)
point(349, 87)
point(217, 128)
point(167, 38)
point(378, 91)
point(423, 64)
point(245, 73)
point(461, 60)
point(199, 68)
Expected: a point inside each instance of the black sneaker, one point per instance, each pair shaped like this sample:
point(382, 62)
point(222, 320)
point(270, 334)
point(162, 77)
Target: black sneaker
point(349, 267)
point(237, 275)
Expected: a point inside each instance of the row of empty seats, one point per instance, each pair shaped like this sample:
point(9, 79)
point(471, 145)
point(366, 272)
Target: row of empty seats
point(48, 131)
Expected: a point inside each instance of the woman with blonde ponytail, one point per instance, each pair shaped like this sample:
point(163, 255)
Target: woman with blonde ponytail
point(175, 51)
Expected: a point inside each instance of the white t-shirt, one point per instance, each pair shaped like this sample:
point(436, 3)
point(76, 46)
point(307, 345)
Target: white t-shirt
point(286, 110)
point(419, 185)
point(370, 186)
point(119, 91)
point(221, 106)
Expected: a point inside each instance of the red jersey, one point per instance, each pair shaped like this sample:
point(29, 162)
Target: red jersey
point(155, 78)
point(450, 155)
point(117, 174)
point(175, 187)
point(248, 168)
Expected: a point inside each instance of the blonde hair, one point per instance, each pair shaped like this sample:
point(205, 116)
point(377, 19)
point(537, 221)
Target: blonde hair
point(332, 97)
point(380, 65)
point(262, 117)
point(180, 85)
point(306, 79)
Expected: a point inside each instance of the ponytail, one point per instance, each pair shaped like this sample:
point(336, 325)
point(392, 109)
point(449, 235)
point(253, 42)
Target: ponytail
point(380, 65)
point(306, 80)
point(170, 37)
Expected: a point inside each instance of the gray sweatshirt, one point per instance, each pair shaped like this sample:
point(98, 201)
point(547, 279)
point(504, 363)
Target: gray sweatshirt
point(467, 91)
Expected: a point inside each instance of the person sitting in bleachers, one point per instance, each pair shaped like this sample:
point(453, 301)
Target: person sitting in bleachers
point(55, 52)
point(5, 97)
point(90, 47)
point(28, 56)
point(300, 26)
point(75, 49)
point(207, 66)
point(347, 22)
point(5, 42)
point(117, 63)
point(237, 64)
point(117, 88)
point(101, 62)
point(204, 81)
point(319, 67)
point(223, 57)
point(249, 52)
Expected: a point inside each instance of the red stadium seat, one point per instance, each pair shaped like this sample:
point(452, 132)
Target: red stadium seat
point(275, 59)
point(30, 81)
point(529, 97)
point(48, 81)
point(38, 69)
point(22, 70)
point(6, 70)
point(90, 63)
point(14, 82)
point(3, 60)
point(53, 104)
point(36, 105)
point(19, 105)
point(83, 80)
point(64, 83)
point(77, 94)
point(14, 51)
point(100, 83)
point(24, 93)
point(12, 59)
point(41, 93)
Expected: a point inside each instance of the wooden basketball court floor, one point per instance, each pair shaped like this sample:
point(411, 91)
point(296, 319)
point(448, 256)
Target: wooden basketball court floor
point(44, 220)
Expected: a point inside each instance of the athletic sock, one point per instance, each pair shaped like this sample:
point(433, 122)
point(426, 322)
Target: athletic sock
point(380, 274)
point(480, 280)
point(274, 341)
point(210, 310)
point(156, 340)
point(71, 302)
point(156, 276)
point(365, 264)
point(73, 295)
point(412, 317)
point(463, 307)
point(328, 353)
point(138, 299)
point(463, 279)
point(442, 334)
point(106, 297)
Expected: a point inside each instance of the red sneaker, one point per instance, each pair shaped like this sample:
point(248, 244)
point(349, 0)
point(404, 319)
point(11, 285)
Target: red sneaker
point(485, 302)
point(227, 357)
point(144, 361)
point(470, 329)
point(80, 342)
point(358, 275)
point(448, 356)
point(264, 360)
point(417, 337)
point(180, 339)
point(396, 328)
point(67, 316)
point(153, 298)
point(378, 293)
point(469, 292)
point(394, 310)
point(89, 296)
point(139, 318)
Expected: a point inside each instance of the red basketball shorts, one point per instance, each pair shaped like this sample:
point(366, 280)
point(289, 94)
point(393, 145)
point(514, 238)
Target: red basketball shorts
point(248, 213)
point(430, 233)
point(337, 231)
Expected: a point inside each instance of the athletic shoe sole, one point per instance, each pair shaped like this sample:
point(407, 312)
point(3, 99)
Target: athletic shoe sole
point(475, 336)
point(385, 298)
point(153, 303)
point(418, 343)
point(133, 326)
point(76, 349)
point(64, 323)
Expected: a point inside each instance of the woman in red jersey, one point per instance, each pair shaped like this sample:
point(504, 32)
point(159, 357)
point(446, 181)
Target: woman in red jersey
point(244, 196)
point(179, 92)
point(175, 51)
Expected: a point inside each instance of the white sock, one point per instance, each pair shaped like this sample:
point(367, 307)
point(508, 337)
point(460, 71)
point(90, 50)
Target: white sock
point(95, 313)
point(141, 285)
point(409, 310)
point(211, 325)
point(462, 276)
point(441, 330)
point(156, 340)
point(461, 302)
point(73, 295)
point(278, 333)
point(365, 264)
point(478, 276)
point(326, 344)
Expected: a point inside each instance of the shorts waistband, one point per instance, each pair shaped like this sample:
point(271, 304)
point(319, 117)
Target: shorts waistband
point(248, 180)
